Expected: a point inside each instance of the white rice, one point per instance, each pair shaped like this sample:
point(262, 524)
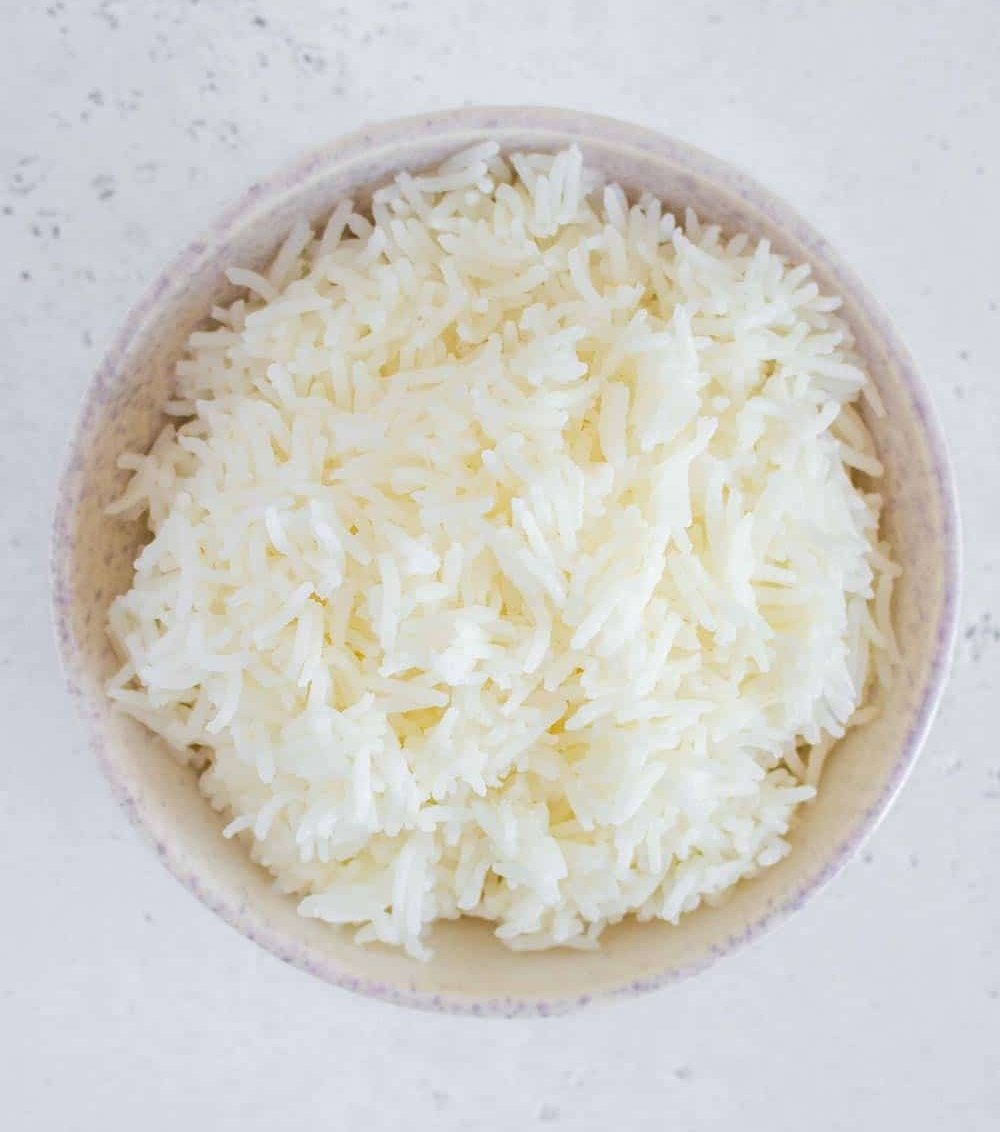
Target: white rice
point(508, 560)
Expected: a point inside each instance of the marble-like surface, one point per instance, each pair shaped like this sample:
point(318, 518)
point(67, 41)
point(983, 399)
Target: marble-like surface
point(123, 1003)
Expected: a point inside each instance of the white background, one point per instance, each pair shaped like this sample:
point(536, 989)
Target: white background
point(124, 127)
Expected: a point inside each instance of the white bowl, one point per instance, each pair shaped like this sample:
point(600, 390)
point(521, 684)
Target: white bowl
point(471, 971)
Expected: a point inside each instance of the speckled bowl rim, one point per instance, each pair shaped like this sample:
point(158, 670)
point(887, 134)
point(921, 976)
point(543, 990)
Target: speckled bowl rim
point(357, 146)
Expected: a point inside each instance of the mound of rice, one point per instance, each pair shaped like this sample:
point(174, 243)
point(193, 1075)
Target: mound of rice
point(516, 557)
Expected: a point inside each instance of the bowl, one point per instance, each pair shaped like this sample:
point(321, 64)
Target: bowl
point(471, 971)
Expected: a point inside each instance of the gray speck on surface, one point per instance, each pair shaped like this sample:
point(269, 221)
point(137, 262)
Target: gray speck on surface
point(548, 1113)
point(96, 97)
point(683, 1073)
point(914, 861)
point(27, 176)
point(259, 22)
point(311, 59)
point(866, 857)
point(440, 1099)
point(130, 102)
point(981, 635)
point(105, 185)
point(228, 132)
point(964, 355)
point(107, 12)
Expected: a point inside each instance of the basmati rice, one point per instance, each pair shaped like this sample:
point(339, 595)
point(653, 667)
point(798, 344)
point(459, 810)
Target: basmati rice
point(506, 558)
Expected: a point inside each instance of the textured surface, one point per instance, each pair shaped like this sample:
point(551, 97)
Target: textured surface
point(123, 128)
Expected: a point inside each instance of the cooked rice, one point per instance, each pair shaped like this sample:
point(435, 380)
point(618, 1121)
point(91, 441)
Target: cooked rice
point(509, 557)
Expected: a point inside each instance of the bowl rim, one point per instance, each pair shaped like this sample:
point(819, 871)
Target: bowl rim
point(477, 122)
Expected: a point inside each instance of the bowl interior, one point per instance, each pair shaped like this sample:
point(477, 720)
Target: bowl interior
point(93, 557)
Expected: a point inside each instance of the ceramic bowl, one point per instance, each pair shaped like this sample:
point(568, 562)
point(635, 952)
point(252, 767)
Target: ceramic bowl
point(471, 971)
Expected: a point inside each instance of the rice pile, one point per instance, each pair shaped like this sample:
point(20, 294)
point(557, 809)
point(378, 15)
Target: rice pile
point(516, 556)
